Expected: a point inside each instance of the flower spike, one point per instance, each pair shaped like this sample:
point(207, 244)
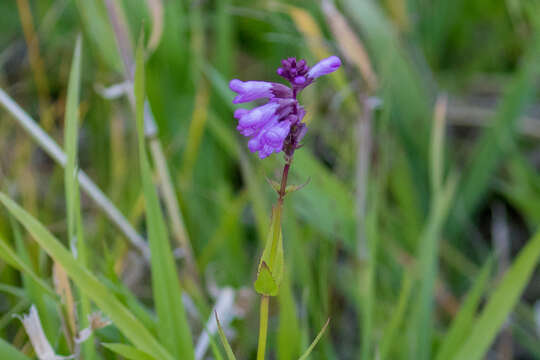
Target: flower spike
point(277, 125)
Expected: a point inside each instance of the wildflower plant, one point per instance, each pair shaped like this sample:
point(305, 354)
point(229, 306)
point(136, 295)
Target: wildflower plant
point(276, 127)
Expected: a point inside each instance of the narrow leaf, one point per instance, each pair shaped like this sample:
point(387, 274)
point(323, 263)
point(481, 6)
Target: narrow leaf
point(174, 330)
point(501, 302)
point(73, 207)
point(9, 256)
point(270, 272)
point(224, 341)
point(128, 324)
point(462, 323)
point(314, 343)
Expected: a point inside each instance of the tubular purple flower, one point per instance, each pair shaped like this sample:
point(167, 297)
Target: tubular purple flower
point(270, 139)
point(277, 125)
point(275, 136)
point(253, 90)
point(238, 113)
point(325, 66)
point(259, 116)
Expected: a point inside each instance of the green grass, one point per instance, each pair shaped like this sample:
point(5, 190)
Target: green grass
point(431, 277)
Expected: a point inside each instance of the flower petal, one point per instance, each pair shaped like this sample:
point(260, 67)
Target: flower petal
point(325, 66)
point(253, 90)
point(258, 116)
point(275, 136)
point(250, 90)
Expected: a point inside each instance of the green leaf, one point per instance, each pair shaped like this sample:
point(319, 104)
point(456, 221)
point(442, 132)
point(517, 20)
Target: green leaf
point(265, 283)
point(7, 351)
point(73, 212)
point(173, 328)
point(99, 31)
point(428, 268)
point(71, 134)
point(270, 272)
point(129, 352)
point(391, 331)
point(9, 256)
point(314, 343)
point(224, 341)
point(33, 289)
point(461, 326)
point(128, 324)
point(501, 302)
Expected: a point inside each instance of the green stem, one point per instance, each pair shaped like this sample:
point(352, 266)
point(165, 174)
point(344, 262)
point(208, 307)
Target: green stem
point(263, 327)
point(265, 299)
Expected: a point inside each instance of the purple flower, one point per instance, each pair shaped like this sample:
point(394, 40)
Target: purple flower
point(325, 66)
point(277, 125)
point(253, 90)
point(271, 138)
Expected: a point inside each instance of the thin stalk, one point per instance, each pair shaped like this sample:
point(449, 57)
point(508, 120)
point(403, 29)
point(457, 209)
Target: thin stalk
point(265, 299)
point(263, 327)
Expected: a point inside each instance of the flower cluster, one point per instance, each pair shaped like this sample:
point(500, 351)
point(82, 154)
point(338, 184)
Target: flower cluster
point(277, 125)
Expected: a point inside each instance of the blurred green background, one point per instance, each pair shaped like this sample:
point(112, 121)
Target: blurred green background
point(422, 157)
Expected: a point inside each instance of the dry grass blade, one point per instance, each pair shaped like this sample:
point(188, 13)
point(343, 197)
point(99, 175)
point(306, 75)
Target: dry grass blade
point(350, 45)
point(63, 288)
point(34, 329)
point(156, 11)
point(36, 62)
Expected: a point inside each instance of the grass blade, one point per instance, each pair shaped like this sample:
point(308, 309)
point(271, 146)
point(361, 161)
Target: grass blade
point(174, 329)
point(71, 121)
point(73, 206)
point(224, 341)
point(391, 331)
point(99, 31)
point(128, 324)
point(428, 267)
point(9, 256)
point(312, 346)
point(501, 302)
point(129, 352)
point(7, 351)
point(462, 323)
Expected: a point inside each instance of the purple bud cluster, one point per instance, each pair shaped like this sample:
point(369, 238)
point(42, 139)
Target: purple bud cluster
point(277, 125)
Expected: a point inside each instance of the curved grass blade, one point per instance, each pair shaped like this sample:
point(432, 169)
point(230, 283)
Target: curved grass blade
point(124, 320)
point(312, 346)
point(462, 323)
point(501, 303)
